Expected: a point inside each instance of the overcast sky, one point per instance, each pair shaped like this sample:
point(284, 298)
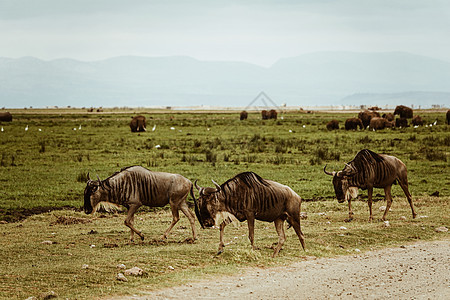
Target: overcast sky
point(259, 32)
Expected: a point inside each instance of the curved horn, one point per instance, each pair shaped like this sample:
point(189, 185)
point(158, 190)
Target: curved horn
point(328, 173)
point(99, 181)
point(89, 177)
point(217, 186)
point(196, 185)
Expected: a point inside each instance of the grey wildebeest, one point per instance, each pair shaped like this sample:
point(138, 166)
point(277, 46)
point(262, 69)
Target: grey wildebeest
point(137, 124)
point(370, 170)
point(135, 186)
point(249, 197)
point(403, 111)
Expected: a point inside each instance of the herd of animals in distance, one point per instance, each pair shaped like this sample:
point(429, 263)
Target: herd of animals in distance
point(247, 196)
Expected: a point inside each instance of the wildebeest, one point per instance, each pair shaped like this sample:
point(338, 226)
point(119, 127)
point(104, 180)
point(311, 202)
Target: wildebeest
point(264, 115)
point(403, 112)
point(247, 196)
point(417, 121)
point(137, 124)
point(273, 114)
point(380, 123)
point(390, 117)
point(333, 124)
point(5, 117)
point(353, 123)
point(135, 186)
point(401, 122)
point(366, 116)
point(370, 170)
point(448, 117)
point(243, 115)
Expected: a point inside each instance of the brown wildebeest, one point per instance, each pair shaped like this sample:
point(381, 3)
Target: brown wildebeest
point(403, 112)
point(380, 123)
point(273, 114)
point(243, 115)
point(374, 108)
point(249, 197)
point(390, 117)
point(5, 117)
point(370, 170)
point(353, 123)
point(135, 186)
point(417, 121)
point(401, 122)
point(137, 124)
point(366, 115)
point(264, 115)
point(448, 117)
point(333, 124)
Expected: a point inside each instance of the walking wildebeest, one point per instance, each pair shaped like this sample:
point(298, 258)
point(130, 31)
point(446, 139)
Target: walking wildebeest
point(333, 124)
point(353, 123)
point(401, 122)
point(370, 170)
point(403, 112)
point(135, 186)
point(5, 117)
point(417, 121)
point(247, 196)
point(243, 115)
point(137, 124)
point(366, 116)
point(380, 123)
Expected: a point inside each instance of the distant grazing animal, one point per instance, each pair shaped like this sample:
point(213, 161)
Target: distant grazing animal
point(137, 124)
point(401, 122)
point(374, 108)
point(448, 117)
point(243, 115)
point(366, 115)
point(380, 123)
point(417, 121)
point(333, 124)
point(273, 114)
point(390, 117)
point(353, 123)
point(5, 117)
point(370, 170)
point(264, 115)
point(135, 186)
point(247, 196)
point(403, 112)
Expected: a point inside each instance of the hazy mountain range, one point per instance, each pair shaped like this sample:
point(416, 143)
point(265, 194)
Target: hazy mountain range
point(324, 78)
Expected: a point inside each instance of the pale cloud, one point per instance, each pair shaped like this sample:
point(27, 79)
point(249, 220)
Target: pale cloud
point(255, 31)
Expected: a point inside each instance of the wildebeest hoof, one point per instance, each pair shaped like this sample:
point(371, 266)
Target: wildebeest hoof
point(219, 252)
point(348, 220)
point(142, 237)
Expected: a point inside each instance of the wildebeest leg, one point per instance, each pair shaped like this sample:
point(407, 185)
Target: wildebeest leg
point(369, 202)
point(130, 219)
point(251, 231)
point(388, 196)
point(404, 186)
point(221, 243)
point(350, 212)
point(295, 221)
point(281, 236)
point(190, 215)
point(175, 219)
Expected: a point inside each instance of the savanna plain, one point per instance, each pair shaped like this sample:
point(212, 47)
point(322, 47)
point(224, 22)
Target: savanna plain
point(47, 243)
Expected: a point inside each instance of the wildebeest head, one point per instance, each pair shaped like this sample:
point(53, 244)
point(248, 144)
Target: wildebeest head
point(91, 194)
point(340, 183)
point(207, 205)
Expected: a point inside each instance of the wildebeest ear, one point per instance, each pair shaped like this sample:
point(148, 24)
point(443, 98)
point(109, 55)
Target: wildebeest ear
point(340, 174)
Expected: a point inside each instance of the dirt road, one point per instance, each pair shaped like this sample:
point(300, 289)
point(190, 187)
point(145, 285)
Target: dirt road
point(416, 271)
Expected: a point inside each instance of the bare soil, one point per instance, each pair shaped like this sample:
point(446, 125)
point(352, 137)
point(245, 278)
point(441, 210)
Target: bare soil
point(415, 271)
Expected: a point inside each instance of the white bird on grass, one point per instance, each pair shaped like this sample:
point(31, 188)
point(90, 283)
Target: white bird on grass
point(26, 128)
point(154, 128)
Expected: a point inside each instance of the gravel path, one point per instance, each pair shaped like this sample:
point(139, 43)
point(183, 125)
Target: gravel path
point(416, 271)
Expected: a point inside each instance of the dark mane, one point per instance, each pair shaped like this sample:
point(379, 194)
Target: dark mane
point(248, 178)
point(365, 157)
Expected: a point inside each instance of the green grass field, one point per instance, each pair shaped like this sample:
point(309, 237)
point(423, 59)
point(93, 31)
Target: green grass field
point(46, 166)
